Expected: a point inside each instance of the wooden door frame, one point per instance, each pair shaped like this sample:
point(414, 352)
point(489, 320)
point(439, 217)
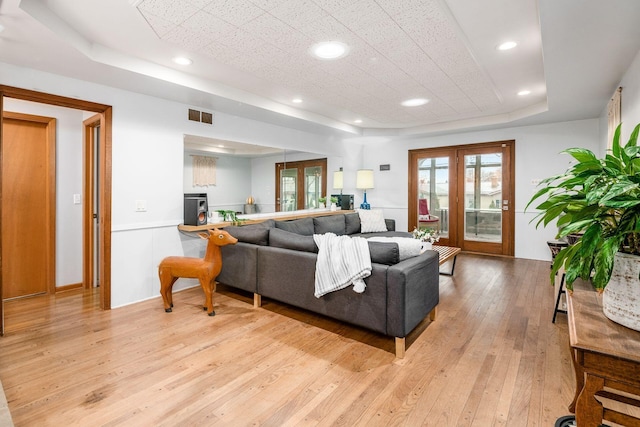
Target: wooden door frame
point(414, 155)
point(508, 224)
point(88, 171)
point(105, 177)
point(49, 206)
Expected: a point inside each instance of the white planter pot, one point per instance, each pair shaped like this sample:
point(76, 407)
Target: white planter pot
point(427, 246)
point(621, 297)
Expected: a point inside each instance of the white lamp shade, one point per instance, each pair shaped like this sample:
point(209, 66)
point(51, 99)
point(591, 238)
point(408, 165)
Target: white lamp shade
point(364, 179)
point(338, 180)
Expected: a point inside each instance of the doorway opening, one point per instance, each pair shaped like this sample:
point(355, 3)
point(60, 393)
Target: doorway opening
point(465, 192)
point(103, 179)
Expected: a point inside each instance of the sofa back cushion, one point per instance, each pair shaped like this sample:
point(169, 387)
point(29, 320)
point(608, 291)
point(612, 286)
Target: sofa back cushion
point(285, 239)
point(302, 226)
point(384, 253)
point(352, 223)
point(258, 234)
point(329, 224)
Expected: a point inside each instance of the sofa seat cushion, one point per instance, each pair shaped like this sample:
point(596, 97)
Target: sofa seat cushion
point(284, 239)
point(329, 224)
point(303, 226)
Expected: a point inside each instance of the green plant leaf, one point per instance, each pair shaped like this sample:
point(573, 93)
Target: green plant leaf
point(582, 155)
point(633, 138)
point(618, 189)
point(615, 147)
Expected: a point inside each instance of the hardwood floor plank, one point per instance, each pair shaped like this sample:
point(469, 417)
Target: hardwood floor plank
point(492, 357)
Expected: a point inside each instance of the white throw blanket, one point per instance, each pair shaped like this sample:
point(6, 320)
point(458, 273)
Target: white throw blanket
point(342, 261)
point(407, 246)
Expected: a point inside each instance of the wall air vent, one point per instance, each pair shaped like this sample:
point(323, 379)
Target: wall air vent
point(194, 115)
point(203, 117)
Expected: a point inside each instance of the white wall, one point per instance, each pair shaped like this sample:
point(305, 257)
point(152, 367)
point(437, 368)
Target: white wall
point(147, 157)
point(148, 164)
point(69, 128)
point(630, 98)
point(233, 181)
point(630, 106)
point(537, 156)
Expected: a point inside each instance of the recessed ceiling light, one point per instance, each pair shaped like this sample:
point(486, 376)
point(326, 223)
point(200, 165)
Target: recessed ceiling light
point(507, 45)
point(1, 28)
point(329, 50)
point(358, 121)
point(415, 102)
point(524, 92)
point(296, 100)
point(181, 60)
point(221, 145)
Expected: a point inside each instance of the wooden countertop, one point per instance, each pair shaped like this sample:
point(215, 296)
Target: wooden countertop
point(282, 217)
point(591, 331)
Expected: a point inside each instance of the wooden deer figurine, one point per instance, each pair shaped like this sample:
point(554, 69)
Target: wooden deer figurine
point(204, 269)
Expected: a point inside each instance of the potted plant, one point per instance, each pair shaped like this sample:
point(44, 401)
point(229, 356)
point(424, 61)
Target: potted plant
point(333, 200)
point(321, 202)
point(599, 199)
point(426, 235)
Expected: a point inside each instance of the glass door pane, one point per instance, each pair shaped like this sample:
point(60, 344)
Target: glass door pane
point(433, 194)
point(313, 186)
point(288, 189)
point(483, 197)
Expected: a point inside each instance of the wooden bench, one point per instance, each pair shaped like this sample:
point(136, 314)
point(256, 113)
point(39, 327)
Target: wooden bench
point(445, 253)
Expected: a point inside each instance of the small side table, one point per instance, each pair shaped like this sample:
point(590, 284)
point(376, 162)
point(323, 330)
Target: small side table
point(604, 355)
point(556, 246)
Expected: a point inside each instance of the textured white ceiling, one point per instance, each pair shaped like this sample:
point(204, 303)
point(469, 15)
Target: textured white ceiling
point(251, 57)
point(398, 50)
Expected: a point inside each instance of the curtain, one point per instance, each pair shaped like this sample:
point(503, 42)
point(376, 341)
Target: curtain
point(613, 114)
point(204, 170)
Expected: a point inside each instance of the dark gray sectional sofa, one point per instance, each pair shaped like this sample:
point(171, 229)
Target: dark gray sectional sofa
point(277, 259)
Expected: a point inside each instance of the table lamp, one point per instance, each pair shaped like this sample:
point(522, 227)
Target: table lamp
point(338, 182)
point(364, 181)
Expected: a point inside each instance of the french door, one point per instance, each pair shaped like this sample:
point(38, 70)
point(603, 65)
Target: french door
point(466, 193)
point(300, 184)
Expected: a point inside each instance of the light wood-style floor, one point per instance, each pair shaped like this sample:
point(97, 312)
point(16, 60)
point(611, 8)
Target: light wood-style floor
point(492, 358)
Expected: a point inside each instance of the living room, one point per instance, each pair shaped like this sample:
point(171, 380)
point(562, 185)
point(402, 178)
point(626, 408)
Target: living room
point(147, 164)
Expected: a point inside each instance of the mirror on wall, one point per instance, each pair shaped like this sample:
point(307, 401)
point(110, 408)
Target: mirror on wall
point(242, 171)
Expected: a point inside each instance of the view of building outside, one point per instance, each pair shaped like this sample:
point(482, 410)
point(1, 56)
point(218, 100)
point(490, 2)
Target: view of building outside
point(288, 192)
point(313, 186)
point(482, 195)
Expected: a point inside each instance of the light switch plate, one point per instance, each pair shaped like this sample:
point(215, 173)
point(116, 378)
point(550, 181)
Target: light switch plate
point(141, 205)
point(77, 199)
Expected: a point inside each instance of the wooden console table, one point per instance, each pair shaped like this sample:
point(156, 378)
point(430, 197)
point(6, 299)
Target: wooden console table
point(605, 354)
point(278, 217)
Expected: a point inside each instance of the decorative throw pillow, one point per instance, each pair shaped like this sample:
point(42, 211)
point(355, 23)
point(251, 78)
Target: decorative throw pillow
point(371, 221)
